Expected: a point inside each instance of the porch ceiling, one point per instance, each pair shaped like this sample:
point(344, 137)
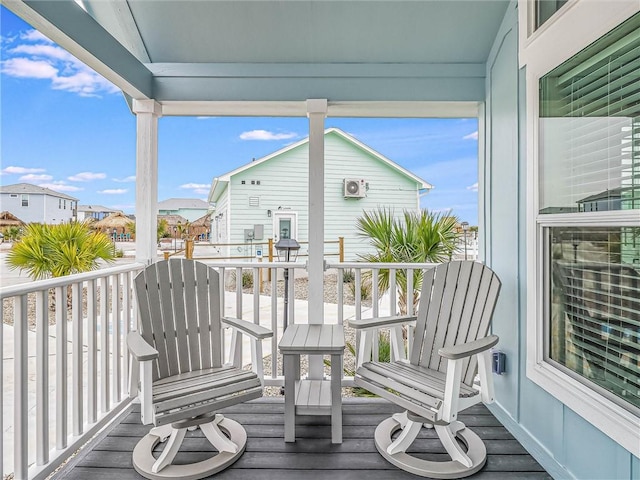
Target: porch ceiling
point(279, 51)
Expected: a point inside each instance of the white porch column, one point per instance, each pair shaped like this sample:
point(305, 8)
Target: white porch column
point(147, 113)
point(317, 112)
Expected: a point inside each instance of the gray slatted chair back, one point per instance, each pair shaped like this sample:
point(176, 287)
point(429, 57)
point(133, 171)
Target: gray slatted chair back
point(179, 305)
point(456, 304)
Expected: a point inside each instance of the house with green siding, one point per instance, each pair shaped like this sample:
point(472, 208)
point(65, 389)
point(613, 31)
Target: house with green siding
point(269, 197)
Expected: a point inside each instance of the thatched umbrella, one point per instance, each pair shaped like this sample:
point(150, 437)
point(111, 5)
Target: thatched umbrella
point(7, 219)
point(117, 221)
point(201, 226)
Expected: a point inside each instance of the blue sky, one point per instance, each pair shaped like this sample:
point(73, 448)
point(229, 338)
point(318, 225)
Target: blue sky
point(66, 128)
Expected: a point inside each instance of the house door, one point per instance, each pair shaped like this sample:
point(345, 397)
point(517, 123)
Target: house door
point(285, 225)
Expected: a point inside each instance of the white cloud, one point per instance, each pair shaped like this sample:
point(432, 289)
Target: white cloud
point(266, 135)
point(21, 170)
point(199, 188)
point(113, 191)
point(38, 58)
point(471, 136)
point(473, 188)
point(86, 176)
point(34, 177)
point(44, 51)
point(60, 187)
point(130, 178)
point(27, 68)
point(34, 36)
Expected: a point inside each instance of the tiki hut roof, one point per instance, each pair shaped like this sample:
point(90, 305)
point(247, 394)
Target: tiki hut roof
point(7, 219)
point(173, 220)
point(114, 220)
point(203, 221)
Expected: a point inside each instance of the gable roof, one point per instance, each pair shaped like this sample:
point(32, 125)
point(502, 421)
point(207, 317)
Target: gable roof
point(30, 189)
point(96, 208)
point(220, 183)
point(178, 203)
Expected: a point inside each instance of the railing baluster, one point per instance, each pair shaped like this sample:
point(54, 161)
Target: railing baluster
point(126, 320)
point(357, 293)
point(115, 338)
point(274, 323)
point(60, 298)
point(291, 318)
point(238, 292)
point(340, 285)
point(42, 377)
point(392, 292)
point(256, 347)
point(221, 277)
point(375, 350)
point(409, 309)
point(20, 377)
point(375, 293)
point(92, 354)
point(104, 345)
point(76, 325)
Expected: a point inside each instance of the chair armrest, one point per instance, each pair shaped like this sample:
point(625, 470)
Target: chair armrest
point(256, 331)
point(467, 349)
point(362, 323)
point(139, 348)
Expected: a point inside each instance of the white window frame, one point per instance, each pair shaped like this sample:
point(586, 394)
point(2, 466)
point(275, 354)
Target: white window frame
point(613, 420)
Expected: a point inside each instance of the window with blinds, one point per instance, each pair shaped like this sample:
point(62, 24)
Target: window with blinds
point(595, 306)
point(589, 154)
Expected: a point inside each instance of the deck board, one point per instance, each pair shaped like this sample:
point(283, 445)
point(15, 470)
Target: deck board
point(312, 455)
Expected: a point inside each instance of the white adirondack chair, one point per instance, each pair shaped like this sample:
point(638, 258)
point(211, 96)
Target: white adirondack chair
point(183, 380)
point(437, 381)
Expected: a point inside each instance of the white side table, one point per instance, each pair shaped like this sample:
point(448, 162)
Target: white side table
point(312, 397)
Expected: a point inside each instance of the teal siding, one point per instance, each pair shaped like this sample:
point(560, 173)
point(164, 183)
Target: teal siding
point(563, 442)
point(284, 184)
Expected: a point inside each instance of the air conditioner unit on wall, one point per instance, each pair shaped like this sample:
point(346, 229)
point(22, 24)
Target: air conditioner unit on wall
point(355, 188)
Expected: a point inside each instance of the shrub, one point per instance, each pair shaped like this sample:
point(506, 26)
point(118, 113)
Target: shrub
point(247, 279)
point(348, 276)
point(56, 250)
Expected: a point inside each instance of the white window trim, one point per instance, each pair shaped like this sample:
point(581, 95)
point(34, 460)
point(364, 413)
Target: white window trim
point(613, 420)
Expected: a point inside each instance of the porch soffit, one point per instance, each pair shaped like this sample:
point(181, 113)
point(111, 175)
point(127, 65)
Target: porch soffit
point(273, 51)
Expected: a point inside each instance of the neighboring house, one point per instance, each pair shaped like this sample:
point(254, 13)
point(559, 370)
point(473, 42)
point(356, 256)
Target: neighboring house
point(33, 204)
point(268, 198)
point(96, 212)
point(190, 208)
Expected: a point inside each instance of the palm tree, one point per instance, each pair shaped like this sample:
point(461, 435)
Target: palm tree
point(415, 237)
point(162, 229)
point(57, 250)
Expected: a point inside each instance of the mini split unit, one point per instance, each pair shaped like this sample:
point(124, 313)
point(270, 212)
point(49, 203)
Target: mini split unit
point(354, 188)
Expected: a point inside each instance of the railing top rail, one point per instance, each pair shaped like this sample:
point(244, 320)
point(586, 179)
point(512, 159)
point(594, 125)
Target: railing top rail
point(28, 287)
point(217, 263)
point(376, 265)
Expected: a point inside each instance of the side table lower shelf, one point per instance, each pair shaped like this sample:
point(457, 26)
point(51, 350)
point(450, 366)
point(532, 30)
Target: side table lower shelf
point(313, 397)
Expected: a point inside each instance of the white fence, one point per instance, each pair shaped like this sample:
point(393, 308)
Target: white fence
point(66, 372)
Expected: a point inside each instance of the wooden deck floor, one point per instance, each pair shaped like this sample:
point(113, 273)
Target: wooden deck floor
point(312, 455)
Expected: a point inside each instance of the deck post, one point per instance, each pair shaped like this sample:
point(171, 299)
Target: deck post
point(147, 114)
point(317, 112)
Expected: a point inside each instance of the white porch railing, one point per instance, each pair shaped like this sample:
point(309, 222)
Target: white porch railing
point(65, 384)
point(70, 369)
